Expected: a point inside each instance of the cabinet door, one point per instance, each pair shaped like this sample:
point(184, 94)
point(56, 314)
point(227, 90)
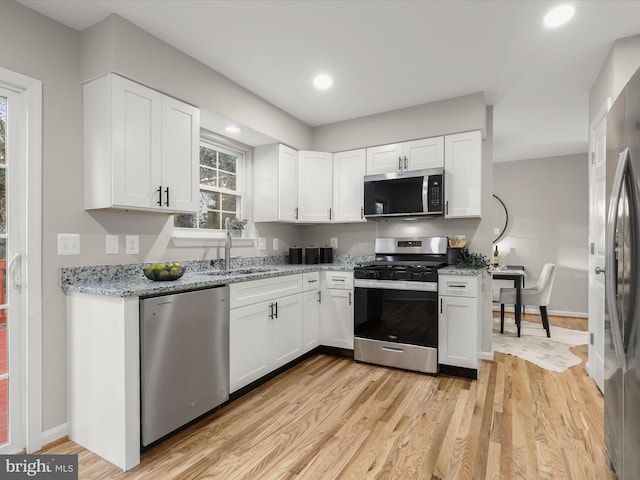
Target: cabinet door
point(136, 128)
point(425, 153)
point(336, 325)
point(385, 159)
point(286, 330)
point(458, 332)
point(287, 184)
point(249, 352)
point(311, 320)
point(315, 186)
point(180, 156)
point(348, 186)
point(463, 175)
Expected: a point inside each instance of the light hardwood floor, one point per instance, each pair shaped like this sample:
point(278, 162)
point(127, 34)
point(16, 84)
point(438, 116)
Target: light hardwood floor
point(330, 418)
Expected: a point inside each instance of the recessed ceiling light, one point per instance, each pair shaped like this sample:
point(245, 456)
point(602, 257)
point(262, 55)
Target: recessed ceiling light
point(559, 15)
point(322, 81)
point(233, 129)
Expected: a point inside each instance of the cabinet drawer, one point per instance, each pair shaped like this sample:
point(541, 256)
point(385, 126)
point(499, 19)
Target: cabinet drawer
point(248, 293)
point(310, 281)
point(338, 280)
point(458, 285)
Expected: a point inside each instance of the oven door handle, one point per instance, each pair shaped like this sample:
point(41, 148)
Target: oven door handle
point(396, 285)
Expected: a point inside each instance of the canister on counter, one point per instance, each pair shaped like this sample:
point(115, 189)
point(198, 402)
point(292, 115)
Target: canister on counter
point(311, 255)
point(295, 255)
point(326, 254)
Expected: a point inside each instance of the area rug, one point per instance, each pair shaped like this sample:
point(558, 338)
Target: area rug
point(533, 345)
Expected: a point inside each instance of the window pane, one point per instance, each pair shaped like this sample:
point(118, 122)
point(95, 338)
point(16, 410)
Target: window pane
point(227, 162)
point(228, 181)
point(210, 220)
point(229, 203)
point(209, 200)
point(185, 221)
point(229, 215)
point(208, 157)
point(208, 176)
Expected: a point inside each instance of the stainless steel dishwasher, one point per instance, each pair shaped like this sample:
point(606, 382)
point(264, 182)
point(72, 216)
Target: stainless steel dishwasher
point(184, 358)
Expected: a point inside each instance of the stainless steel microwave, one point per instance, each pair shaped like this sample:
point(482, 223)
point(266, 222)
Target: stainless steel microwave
point(404, 194)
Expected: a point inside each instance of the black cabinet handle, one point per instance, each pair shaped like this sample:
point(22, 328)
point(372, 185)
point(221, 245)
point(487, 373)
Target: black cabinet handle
point(319, 296)
point(349, 298)
point(276, 314)
point(399, 163)
point(159, 190)
point(406, 163)
point(361, 212)
point(271, 311)
point(167, 194)
point(296, 213)
point(330, 213)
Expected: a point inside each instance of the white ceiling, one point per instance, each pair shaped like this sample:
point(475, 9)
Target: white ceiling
point(386, 55)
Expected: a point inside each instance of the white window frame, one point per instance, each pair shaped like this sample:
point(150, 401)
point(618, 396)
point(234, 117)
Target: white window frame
point(193, 237)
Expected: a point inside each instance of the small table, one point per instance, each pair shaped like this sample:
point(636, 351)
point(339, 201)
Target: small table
point(518, 280)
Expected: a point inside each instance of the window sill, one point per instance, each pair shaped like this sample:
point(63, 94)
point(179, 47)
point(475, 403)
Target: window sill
point(185, 237)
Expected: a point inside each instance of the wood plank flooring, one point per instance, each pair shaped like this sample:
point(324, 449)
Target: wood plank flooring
point(331, 418)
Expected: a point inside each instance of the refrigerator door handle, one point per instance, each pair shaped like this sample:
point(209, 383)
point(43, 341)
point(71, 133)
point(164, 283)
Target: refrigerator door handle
point(623, 169)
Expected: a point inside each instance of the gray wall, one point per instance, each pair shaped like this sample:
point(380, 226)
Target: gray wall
point(547, 202)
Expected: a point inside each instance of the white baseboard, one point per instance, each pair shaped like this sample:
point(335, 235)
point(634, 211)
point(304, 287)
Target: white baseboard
point(536, 310)
point(55, 433)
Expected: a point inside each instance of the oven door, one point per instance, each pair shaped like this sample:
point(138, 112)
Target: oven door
point(396, 324)
point(396, 311)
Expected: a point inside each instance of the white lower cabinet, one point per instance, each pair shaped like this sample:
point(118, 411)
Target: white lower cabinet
point(458, 320)
point(267, 334)
point(336, 309)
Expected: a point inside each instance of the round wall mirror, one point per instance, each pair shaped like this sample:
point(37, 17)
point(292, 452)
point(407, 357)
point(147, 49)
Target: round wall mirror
point(500, 219)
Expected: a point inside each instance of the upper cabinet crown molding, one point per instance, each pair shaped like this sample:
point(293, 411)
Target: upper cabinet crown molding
point(141, 148)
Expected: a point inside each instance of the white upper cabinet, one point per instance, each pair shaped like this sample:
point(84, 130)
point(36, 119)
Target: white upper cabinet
point(463, 174)
point(400, 157)
point(425, 153)
point(275, 171)
point(315, 188)
point(348, 186)
point(141, 148)
point(384, 159)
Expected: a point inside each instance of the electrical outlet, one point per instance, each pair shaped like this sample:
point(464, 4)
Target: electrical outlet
point(262, 243)
point(111, 245)
point(68, 244)
point(276, 244)
point(334, 242)
point(132, 243)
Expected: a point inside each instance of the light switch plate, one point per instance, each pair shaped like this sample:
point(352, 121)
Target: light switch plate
point(111, 245)
point(262, 243)
point(132, 244)
point(334, 242)
point(68, 244)
point(276, 244)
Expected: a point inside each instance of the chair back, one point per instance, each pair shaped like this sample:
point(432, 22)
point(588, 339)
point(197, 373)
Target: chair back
point(545, 282)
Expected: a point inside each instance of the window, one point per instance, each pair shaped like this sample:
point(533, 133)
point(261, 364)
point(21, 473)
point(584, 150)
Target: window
point(221, 187)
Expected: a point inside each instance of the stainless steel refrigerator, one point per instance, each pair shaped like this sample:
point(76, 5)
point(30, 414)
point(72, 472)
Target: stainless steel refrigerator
point(622, 270)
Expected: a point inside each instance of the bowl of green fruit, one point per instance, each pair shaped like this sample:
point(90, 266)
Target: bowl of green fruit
point(164, 271)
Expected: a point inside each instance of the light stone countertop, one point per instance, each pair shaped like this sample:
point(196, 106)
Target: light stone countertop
point(452, 270)
point(129, 280)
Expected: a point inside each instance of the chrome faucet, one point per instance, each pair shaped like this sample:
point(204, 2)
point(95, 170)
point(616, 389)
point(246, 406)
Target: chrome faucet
point(227, 246)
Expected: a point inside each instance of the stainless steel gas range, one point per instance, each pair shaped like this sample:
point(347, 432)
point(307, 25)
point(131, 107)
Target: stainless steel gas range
point(396, 303)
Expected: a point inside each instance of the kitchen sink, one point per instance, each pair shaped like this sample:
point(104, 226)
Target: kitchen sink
point(237, 271)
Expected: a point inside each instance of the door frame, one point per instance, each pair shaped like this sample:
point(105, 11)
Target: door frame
point(31, 260)
point(594, 371)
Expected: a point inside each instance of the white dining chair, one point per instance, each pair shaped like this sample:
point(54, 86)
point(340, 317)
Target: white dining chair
point(538, 295)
